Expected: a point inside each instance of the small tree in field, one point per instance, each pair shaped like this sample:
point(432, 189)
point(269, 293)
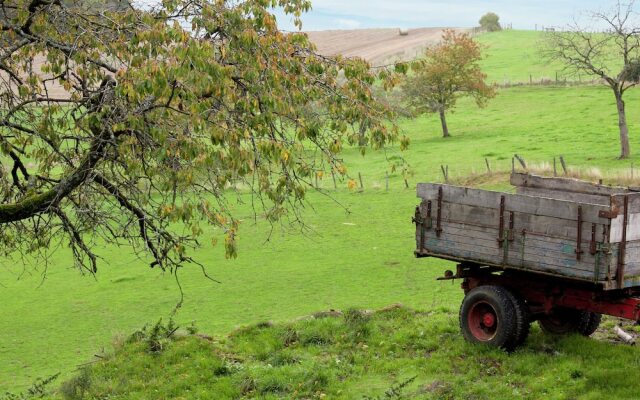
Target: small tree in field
point(447, 71)
point(611, 56)
point(490, 22)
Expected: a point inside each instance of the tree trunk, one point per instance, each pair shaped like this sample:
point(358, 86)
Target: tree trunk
point(443, 119)
point(625, 151)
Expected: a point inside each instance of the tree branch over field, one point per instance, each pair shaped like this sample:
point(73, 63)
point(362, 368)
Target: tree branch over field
point(122, 126)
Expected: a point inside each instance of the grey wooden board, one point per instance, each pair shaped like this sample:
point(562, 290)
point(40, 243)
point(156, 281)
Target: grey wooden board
point(633, 228)
point(617, 203)
point(632, 259)
point(513, 202)
point(454, 250)
point(534, 224)
point(604, 200)
point(564, 184)
point(487, 237)
point(559, 258)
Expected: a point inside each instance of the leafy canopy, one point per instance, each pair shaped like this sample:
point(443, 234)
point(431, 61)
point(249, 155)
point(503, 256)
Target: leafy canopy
point(448, 71)
point(137, 126)
point(490, 22)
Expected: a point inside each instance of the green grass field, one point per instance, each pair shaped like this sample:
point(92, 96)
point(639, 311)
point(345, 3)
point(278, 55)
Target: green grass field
point(516, 57)
point(54, 319)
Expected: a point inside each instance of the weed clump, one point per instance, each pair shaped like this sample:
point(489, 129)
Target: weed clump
point(38, 390)
point(157, 337)
point(357, 322)
point(78, 386)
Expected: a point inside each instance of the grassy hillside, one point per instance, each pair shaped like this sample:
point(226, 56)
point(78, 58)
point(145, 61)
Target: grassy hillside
point(395, 353)
point(54, 319)
point(516, 57)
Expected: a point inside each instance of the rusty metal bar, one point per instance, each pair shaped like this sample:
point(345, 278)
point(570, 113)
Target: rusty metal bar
point(579, 240)
point(592, 245)
point(501, 226)
point(511, 223)
point(420, 220)
point(623, 245)
point(439, 215)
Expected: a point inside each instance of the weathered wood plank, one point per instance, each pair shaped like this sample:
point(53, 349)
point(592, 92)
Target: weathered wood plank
point(564, 184)
point(464, 252)
point(482, 247)
point(632, 261)
point(603, 200)
point(542, 245)
point(513, 202)
point(617, 203)
point(534, 224)
point(633, 228)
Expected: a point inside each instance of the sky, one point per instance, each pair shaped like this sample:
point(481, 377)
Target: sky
point(522, 14)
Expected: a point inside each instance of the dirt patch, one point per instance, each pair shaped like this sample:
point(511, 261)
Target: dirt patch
point(378, 46)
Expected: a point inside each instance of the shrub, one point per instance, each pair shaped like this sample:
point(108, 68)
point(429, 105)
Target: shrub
point(490, 22)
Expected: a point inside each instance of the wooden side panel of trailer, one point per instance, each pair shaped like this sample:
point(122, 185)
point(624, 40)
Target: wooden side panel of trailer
point(613, 196)
point(545, 235)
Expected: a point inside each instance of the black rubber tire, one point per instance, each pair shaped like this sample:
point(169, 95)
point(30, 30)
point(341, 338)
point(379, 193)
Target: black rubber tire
point(523, 320)
point(500, 302)
point(589, 323)
point(564, 321)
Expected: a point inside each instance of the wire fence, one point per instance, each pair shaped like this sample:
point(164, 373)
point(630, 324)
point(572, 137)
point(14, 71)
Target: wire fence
point(494, 171)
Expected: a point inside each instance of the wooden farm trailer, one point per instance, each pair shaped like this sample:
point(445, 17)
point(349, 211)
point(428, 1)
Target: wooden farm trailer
point(559, 251)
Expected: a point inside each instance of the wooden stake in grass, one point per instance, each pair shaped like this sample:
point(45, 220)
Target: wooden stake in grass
point(564, 165)
point(360, 176)
point(486, 160)
point(555, 169)
point(521, 161)
point(406, 183)
point(445, 172)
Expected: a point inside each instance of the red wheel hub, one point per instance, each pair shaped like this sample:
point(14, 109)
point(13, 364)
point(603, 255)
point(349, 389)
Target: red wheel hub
point(488, 319)
point(483, 321)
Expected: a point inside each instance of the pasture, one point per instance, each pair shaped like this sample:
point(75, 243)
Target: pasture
point(356, 252)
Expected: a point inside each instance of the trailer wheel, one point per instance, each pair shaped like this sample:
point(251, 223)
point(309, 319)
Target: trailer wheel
point(523, 319)
point(488, 316)
point(561, 321)
point(589, 323)
point(564, 321)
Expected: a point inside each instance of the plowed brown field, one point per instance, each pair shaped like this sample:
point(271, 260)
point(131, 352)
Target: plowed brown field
point(378, 46)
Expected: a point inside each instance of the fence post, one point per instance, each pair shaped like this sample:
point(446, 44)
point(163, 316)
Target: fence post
point(445, 173)
point(555, 170)
point(564, 165)
point(521, 161)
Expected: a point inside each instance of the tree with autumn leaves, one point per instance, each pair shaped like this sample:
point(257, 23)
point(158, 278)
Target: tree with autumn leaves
point(139, 126)
point(447, 71)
